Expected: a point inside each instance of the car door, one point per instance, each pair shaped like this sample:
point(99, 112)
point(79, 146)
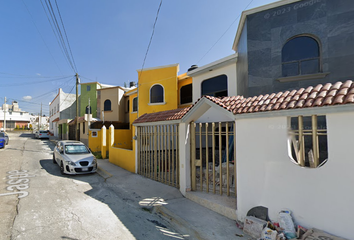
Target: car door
point(58, 156)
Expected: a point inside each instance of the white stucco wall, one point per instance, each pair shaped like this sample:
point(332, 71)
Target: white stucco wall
point(229, 71)
point(214, 115)
point(320, 198)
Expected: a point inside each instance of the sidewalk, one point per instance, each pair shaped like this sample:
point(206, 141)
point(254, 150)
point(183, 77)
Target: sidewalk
point(185, 216)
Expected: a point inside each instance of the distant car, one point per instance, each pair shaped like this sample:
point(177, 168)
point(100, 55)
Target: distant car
point(42, 134)
point(73, 157)
point(4, 139)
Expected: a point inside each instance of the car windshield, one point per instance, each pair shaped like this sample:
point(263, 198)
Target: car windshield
point(43, 131)
point(75, 149)
point(2, 134)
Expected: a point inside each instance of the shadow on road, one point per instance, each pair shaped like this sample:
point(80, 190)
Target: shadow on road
point(124, 205)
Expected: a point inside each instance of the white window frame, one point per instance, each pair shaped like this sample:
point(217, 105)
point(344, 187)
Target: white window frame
point(158, 103)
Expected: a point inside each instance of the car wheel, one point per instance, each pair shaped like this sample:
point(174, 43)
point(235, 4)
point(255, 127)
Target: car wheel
point(54, 159)
point(62, 168)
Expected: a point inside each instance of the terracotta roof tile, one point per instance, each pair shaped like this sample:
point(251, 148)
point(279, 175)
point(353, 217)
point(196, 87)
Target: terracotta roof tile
point(349, 98)
point(320, 95)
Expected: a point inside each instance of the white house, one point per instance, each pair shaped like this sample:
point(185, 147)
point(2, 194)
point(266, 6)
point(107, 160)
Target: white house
point(60, 108)
point(13, 116)
point(292, 151)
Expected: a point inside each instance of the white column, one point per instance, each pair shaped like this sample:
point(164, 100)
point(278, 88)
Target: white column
point(184, 158)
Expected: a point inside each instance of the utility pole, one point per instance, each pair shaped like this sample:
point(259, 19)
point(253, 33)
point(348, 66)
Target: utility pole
point(5, 107)
point(40, 120)
point(89, 118)
point(77, 106)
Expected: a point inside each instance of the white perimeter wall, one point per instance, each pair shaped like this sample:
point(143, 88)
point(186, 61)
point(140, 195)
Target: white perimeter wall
point(322, 198)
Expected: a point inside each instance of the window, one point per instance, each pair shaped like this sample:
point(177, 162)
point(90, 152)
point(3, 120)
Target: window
point(58, 107)
point(300, 56)
point(83, 128)
point(308, 141)
point(76, 149)
point(107, 105)
point(186, 94)
point(216, 86)
point(94, 134)
point(88, 88)
point(156, 94)
point(135, 104)
point(88, 109)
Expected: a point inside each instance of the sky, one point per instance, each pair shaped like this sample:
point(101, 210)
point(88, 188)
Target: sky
point(108, 40)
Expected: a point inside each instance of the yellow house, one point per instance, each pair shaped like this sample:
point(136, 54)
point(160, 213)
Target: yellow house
point(158, 89)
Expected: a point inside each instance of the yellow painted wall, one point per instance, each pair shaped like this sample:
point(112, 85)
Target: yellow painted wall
point(95, 142)
point(165, 76)
point(123, 138)
point(123, 158)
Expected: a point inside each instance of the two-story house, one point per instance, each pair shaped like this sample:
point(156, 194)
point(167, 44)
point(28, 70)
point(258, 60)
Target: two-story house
point(61, 110)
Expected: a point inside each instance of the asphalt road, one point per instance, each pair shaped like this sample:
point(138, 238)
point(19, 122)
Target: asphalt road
point(37, 202)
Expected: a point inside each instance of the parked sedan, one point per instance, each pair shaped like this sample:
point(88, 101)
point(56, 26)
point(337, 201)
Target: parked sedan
point(73, 157)
point(42, 134)
point(5, 139)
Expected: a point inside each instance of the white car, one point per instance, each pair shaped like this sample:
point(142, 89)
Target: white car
point(73, 157)
point(42, 134)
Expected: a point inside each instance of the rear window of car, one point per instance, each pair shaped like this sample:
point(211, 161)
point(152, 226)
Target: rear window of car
point(2, 134)
point(76, 149)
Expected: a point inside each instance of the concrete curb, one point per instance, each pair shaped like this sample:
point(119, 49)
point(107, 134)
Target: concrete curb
point(103, 173)
point(178, 223)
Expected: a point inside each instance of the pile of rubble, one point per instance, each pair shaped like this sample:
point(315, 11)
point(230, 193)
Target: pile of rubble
point(258, 226)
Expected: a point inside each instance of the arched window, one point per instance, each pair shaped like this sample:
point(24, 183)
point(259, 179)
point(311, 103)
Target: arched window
point(135, 104)
point(156, 94)
point(88, 109)
point(300, 56)
point(216, 86)
point(107, 105)
point(186, 94)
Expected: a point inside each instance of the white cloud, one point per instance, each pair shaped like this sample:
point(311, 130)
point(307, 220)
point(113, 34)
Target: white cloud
point(38, 74)
point(27, 98)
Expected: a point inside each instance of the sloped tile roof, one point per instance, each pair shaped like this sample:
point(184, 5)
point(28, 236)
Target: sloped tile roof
point(321, 95)
point(168, 115)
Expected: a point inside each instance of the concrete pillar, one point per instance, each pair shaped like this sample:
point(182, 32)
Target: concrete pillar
point(184, 158)
point(111, 139)
point(103, 142)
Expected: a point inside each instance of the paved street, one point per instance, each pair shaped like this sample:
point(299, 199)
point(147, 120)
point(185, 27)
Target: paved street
point(37, 202)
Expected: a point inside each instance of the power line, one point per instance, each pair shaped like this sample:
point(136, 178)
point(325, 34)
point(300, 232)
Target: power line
point(27, 76)
point(152, 34)
point(34, 82)
point(225, 32)
point(64, 45)
point(41, 36)
point(66, 36)
point(57, 27)
point(51, 91)
point(147, 50)
point(55, 33)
